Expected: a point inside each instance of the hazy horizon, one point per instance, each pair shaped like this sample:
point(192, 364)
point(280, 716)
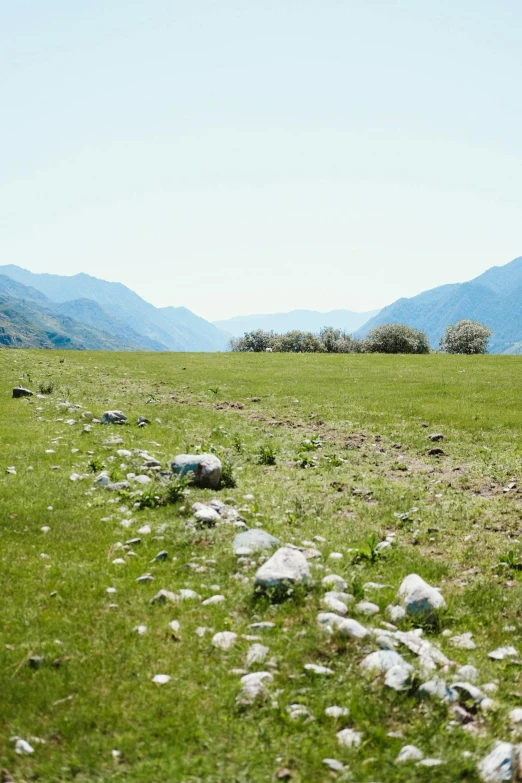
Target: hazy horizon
point(241, 158)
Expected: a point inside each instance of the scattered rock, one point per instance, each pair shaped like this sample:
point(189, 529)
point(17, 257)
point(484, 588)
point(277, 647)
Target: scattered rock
point(420, 600)
point(344, 626)
point(498, 766)
point(409, 753)
point(285, 569)
point(21, 745)
point(349, 738)
point(19, 391)
point(113, 417)
point(224, 640)
point(382, 660)
point(206, 516)
point(161, 679)
point(436, 452)
point(315, 668)
point(367, 608)
point(205, 469)
point(254, 540)
point(503, 652)
point(436, 436)
point(336, 712)
point(256, 654)
point(253, 687)
point(215, 599)
point(463, 641)
point(334, 765)
point(335, 581)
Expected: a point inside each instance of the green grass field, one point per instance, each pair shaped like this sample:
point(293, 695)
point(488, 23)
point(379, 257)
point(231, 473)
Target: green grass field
point(91, 700)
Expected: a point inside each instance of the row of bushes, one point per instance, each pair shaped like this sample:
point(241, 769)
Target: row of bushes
point(467, 337)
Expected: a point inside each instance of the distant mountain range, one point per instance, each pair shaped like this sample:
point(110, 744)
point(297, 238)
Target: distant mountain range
point(305, 320)
point(83, 312)
point(493, 298)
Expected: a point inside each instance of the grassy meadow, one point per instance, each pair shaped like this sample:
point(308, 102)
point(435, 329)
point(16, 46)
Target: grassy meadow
point(349, 436)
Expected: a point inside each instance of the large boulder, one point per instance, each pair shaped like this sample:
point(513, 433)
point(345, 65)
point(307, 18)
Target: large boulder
point(284, 570)
point(205, 469)
point(113, 417)
point(421, 601)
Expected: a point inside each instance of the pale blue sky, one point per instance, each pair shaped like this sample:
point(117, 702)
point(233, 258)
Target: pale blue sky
point(236, 156)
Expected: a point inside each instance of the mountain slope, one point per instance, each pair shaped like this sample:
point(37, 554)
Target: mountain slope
point(25, 324)
point(306, 320)
point(127, 307)
point(493, 298)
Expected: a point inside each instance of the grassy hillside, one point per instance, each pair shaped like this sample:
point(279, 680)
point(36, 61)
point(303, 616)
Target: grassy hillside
point(351, 461)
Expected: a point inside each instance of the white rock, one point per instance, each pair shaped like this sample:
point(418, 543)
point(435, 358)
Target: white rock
point(140, 629)
point(421, 600)
point(437, 689)
point(430, 763)
point(335, 581)
point(342, 625)
point(286, 568)
point(336, 712)
point(334, 605)
point(215, 599)
point(162, 596)
point(463, 641)
point(515, 716)
point(253, 686)
point(498, 765)
point(409, 753)
point(382, 660)
point(367, 608)
point(102, 480)
point(335, 556)
point(503, 652)
point(334, 765)
point(346, 598)
point(395, 613)
point(468, 673)
point(161, 679)
point(174, 626)
point(224, 640)
point(256, 653)
point(145, 530)
point(22, 746)
point(189, 595)
point(205, 469)
point(142, 479)
point(399, 678)
point(298, 712)
point(349, 738)
point(206, 516)
point(315, 668)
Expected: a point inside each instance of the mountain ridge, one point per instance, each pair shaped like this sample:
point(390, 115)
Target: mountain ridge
point(155, 329)
point(305, 320)
point(493, 298)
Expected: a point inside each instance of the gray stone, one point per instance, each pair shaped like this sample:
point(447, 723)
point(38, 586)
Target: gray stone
point(113, 417)
point(349, 738)
point(334, 581)
point(206, 516)
point(344, 626)
point(498, 766)
point(205, 469)
point(398, 678)
point(503, 652)
point(254, 540)
point(382, 660)
point(409, 753)
point(367, 607)
point(285, 569)
point(437, 689)
point(224, 640)
point(253, 687)
point(421, 601)
point(19, 391)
